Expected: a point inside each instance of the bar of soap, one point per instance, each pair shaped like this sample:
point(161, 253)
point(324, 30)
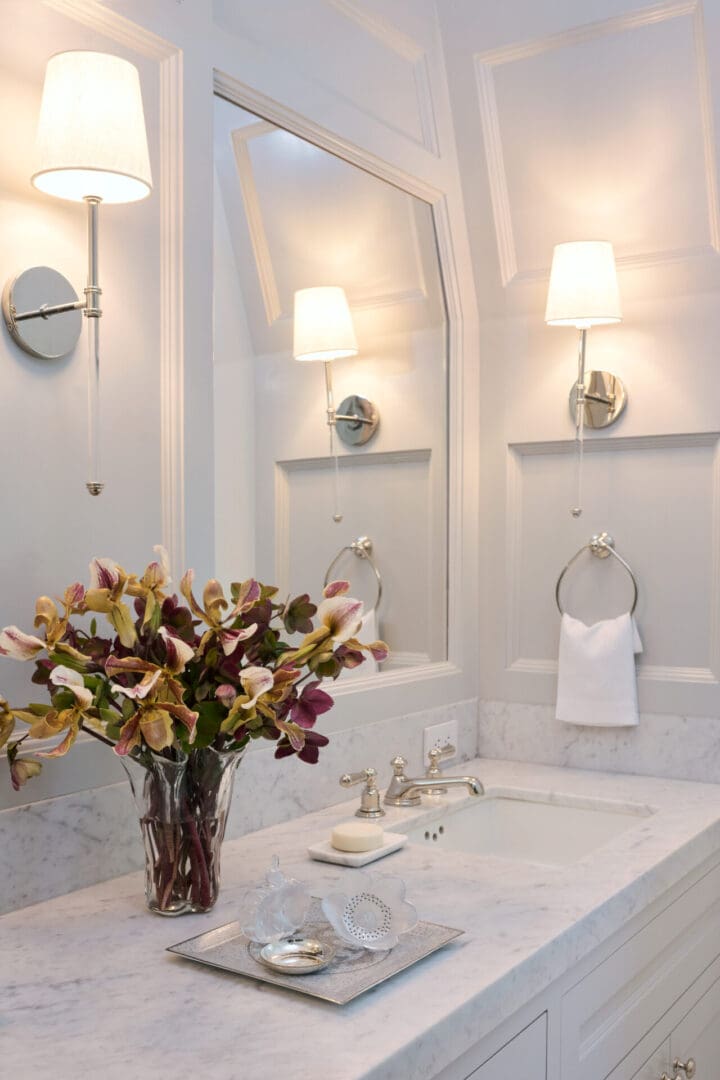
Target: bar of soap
point(357, 836)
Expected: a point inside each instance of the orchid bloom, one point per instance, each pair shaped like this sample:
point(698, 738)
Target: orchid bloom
point(45, 722)
point(255, 681)
point(151, 584)
point(159, 699)
point(21, 769)
point(46, 613)
point(214, 606)
point(18, 645)
point(107, 585)
point(7, 722)
point(177, 652)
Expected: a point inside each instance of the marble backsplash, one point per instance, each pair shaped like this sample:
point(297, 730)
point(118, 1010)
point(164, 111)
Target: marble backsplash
point(55, 846)
point(675, 747)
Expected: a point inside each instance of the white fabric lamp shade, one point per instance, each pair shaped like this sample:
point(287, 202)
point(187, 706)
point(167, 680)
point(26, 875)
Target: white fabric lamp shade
point(91, 139)
point(583, 287)
point(323, 324)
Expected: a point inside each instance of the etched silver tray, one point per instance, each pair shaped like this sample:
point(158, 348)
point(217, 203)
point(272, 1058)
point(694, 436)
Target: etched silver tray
point(349, 974)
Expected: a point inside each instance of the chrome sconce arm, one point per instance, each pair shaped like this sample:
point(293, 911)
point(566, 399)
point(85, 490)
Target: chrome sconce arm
point(79, 159)
point(53, 342)
point(357, 419)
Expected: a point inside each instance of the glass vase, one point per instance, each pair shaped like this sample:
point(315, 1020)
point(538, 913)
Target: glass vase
point(183, 808)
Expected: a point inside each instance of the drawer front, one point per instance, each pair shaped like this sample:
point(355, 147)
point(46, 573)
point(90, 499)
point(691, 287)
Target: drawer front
point(523, 1058)
point(606, 1014)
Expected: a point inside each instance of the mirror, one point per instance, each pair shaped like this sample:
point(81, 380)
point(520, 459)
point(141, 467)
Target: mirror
point(289, 216)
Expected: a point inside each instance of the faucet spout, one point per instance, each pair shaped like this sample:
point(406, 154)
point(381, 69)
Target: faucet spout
point(470, 782)
point(404, 791)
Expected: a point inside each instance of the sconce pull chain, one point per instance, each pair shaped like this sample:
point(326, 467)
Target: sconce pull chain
point(337, 512)
point(93, 312)
point(580, 425)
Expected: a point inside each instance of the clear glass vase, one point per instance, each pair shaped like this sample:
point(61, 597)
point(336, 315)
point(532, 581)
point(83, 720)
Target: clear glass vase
point(183, 808)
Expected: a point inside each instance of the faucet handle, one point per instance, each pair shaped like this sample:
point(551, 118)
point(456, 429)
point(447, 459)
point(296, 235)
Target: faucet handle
point(350, 779)
point(436, 755)
point(439, 753)
point(398, 766)
point(370, 798)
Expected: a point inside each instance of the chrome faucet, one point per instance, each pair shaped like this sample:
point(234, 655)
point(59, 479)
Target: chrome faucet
point(403, 791)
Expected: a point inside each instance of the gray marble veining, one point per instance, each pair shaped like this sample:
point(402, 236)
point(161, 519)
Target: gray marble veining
point(89, 989)
point(51, 847)
point(678, 747)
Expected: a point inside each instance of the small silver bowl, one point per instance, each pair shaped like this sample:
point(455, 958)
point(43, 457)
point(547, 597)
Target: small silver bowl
point(297, 956)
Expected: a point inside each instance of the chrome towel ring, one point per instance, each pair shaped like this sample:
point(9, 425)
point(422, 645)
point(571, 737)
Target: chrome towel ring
point(601, 545)
point(362, 547)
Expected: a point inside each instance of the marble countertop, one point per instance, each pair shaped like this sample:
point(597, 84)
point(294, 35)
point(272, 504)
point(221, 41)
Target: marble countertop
point(88, 989)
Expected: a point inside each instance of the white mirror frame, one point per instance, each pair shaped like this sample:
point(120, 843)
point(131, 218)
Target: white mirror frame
point(440, 682)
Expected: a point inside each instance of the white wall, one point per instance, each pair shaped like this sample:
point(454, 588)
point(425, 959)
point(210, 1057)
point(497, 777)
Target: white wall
point(581, 121)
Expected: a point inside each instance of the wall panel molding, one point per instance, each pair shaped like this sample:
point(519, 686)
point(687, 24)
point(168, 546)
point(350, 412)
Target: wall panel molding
point(408, 50)
point(486, 64)
point(518, 664)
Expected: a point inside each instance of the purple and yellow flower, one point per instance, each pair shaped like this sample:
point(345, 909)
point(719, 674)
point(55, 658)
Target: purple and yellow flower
point(18, 645)
point(107, 586)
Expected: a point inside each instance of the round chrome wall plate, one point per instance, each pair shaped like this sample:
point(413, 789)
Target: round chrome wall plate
point(357, 432)
point(47, 337)
point(605, 399)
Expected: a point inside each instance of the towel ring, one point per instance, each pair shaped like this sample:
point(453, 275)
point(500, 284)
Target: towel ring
point(601, 545)
point(362, 547)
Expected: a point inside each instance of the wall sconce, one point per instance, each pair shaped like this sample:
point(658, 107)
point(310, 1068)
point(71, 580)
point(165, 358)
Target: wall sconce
point(584, 292)
point(91, 147)
point(323, 330)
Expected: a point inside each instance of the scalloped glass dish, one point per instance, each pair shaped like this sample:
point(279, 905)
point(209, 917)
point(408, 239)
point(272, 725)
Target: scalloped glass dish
point(371, 911)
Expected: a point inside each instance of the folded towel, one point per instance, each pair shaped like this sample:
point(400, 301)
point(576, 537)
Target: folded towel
point(366, 634)
point(596, 672)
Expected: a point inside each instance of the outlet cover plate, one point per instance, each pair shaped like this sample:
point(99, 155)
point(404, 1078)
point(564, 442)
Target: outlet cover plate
point(438, 736)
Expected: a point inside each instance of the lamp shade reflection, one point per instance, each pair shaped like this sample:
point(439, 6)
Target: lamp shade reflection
point(323, 324)
point(91, 138)
point(583, 288)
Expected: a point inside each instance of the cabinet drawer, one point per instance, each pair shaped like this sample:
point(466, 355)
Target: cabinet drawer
point(608, 1012)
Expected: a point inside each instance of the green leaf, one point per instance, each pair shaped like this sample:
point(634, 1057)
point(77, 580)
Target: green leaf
point(211, 715)
point(93, 627)
point(63, 699)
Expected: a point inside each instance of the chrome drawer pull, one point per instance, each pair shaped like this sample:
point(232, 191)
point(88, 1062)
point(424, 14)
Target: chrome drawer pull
point(688, 1068)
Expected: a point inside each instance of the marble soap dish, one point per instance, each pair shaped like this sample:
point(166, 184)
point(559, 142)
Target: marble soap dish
point(325, 852)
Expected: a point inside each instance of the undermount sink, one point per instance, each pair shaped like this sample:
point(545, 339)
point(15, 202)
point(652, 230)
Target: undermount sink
point(531, 830)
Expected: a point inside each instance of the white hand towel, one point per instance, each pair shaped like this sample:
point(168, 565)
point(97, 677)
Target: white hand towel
point(366, 634)
point(596, 672)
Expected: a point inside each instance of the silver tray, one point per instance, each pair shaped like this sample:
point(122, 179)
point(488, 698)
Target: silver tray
point(349, 974)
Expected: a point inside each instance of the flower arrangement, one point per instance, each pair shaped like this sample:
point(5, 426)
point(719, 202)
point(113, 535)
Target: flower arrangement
point(179, 684)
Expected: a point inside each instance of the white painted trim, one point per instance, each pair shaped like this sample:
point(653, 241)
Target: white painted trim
point(649, 673)
point(407, 49)
point(485, 64)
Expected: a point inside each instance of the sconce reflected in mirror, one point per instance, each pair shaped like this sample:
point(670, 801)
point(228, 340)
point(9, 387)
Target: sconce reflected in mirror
point(91, 147)
point(323, 330)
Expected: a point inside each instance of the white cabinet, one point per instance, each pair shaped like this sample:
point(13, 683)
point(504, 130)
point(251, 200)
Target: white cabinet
point(652, 1069)
point(645, 998)
point(697, 1036)
point(524, 1058)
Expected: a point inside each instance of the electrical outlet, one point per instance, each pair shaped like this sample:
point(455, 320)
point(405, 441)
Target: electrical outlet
point(439, 736)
